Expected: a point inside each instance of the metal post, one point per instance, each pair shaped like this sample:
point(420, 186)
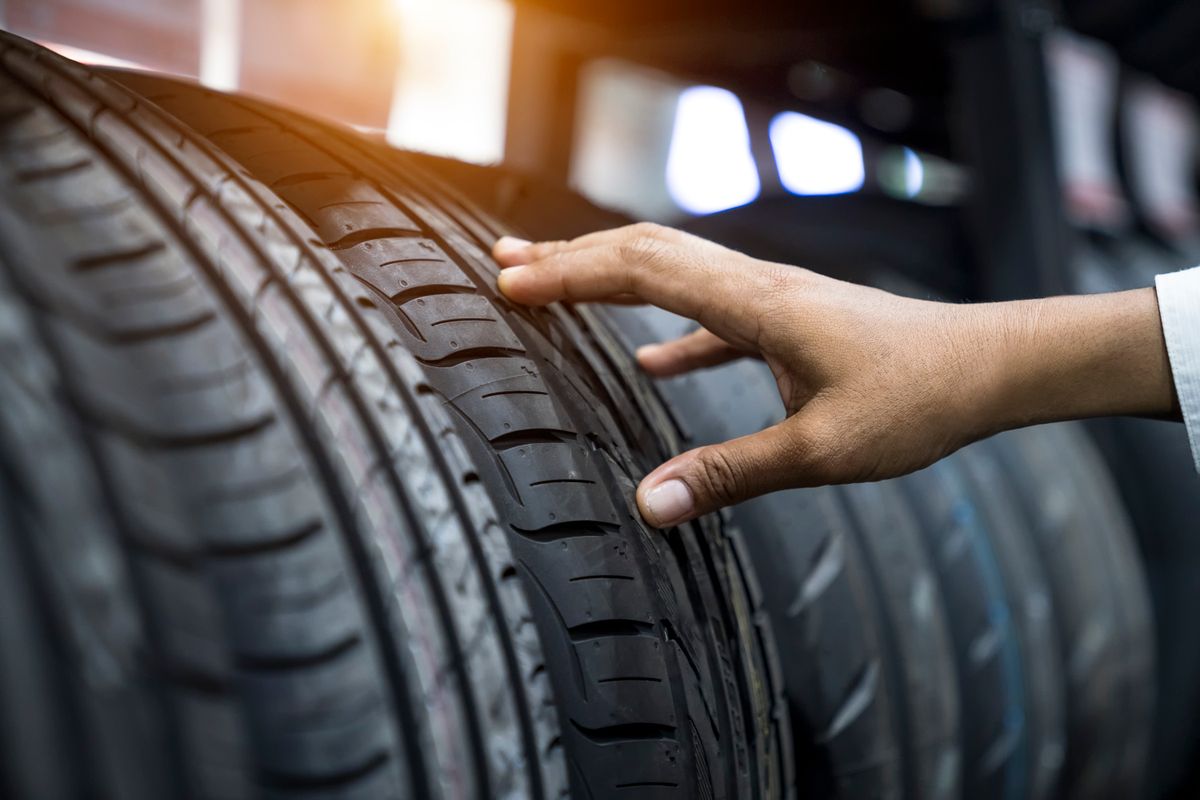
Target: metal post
point(220, 43)
point(1003, 132)
point(542, 96)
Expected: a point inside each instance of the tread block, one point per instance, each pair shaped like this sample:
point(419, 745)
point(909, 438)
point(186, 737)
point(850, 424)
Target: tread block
point(557, 483)
point(512, 407)
point(638, 768)
point(338, 206)
point(629, 677)
point(572, 579)
point(217, 113)
point(451, 324)
point(188, 645)
point(399, 266)
point(282, 159)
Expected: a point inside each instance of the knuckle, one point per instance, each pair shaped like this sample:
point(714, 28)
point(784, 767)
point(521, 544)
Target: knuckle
point(640, 251)
point(646, 230)
point(546, 249)
point(723, 477)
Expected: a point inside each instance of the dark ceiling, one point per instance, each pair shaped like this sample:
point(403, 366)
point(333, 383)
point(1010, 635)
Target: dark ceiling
point(828, 55)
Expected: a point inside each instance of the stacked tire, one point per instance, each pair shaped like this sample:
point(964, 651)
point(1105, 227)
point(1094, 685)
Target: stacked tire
point(293, 505)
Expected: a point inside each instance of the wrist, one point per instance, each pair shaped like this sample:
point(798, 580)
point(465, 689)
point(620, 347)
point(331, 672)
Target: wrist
point(1073, 357)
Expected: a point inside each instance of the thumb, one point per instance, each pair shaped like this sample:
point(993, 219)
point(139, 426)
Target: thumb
point(712, 477)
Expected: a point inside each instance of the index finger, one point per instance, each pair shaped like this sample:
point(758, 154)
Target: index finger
point(717, 287)
point(511, 252)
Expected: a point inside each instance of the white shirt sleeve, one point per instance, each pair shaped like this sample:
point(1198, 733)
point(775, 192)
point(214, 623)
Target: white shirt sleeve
point(1179, 307)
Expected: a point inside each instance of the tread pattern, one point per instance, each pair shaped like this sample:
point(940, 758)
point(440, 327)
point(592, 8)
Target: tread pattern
point(378, 644)
point(1032, 618)
point(1100, 606)
point(663, 673)
point(65, 588)
point(916, 638)
point(987, 651)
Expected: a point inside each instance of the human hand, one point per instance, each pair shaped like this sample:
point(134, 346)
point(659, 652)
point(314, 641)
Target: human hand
point(875, 385)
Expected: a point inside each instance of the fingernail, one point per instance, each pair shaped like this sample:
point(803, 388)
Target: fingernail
point(510, 244)
point(506, 278)
point(668, 502)
point(645, 350)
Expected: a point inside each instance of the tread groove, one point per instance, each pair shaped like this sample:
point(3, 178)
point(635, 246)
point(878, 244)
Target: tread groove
point(120, 257)
point(427, 290)
point(312, 783)
point(140, 335)
point(605, 628)
point(298, 178)
point(285, 663)
point(355, 238)
point(471, 354)
point(628, 732)
point(53, 171)
point(508, 441)
point(285, 542)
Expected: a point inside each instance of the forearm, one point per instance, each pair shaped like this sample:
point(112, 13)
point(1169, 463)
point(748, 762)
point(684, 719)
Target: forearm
point(1074, 357)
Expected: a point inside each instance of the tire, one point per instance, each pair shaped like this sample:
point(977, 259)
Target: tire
point(316, 622)
point(866, 668)
point(665, 677)
point(1012, 739)
point(1100, 605)
point(67, 605)
point(917, 642)
point(1037, 760)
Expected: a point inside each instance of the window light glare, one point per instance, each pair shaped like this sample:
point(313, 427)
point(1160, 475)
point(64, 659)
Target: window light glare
point(816, 157)
point(710, 166)
point(914, 173)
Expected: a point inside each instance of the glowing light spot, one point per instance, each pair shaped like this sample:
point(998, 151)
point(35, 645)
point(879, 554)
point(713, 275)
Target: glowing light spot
point(451, 100)
point(710, 167)
point(816, 157)
point(914, 173)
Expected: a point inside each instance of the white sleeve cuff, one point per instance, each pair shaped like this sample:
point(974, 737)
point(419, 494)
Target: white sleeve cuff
point(1179, 307)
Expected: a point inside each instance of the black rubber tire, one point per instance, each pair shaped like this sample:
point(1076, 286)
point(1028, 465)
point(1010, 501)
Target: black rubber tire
point(67, 600)
point(867, 667)
point(1152, 464)
point(665, 676)
point(1012, 737)
point(332, 602)
point(1038, 758)
point(1100, 603)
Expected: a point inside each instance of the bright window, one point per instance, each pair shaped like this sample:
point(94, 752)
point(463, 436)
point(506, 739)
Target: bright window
point(710, 167)
point(452, 82)
point(816, 157)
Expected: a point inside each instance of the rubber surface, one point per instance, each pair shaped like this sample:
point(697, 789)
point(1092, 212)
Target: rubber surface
point(327, 598)
point(664, 673)
point(1026, 758)
point(66, 594)
point(1100, 604)
point(959, 535)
